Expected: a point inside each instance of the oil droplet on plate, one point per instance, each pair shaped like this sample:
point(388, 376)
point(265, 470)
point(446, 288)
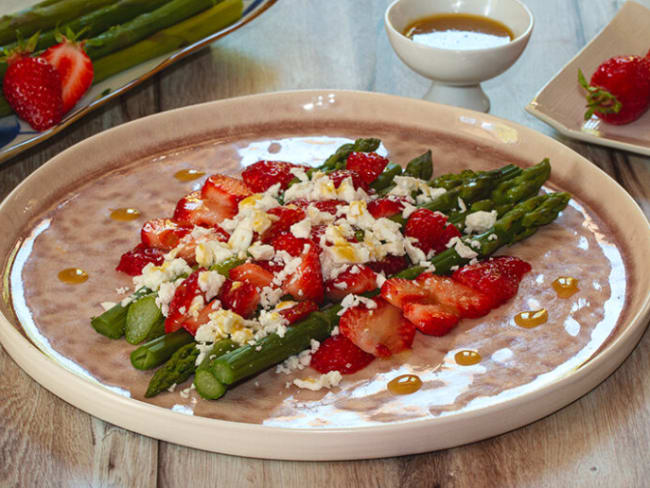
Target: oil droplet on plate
point(125, 214)
point(565, 286)
point(531, 318)
point(405, 384)
point(188, 174)
point(73, 276)
point(467, 357)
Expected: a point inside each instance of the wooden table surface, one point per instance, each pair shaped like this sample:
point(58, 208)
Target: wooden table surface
point(601, 439)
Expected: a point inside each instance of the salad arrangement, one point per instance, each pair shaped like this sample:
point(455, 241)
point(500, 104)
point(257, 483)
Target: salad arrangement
point(328, 267)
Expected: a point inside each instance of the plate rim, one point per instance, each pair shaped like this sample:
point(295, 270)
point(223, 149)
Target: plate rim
point(532, 109)
point(103, 403)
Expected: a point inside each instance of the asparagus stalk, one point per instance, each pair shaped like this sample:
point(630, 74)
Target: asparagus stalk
point(98, 21)
point(177, 369)
point(113, 321)
point(141, 317)
point(182, 34)
point(45, 16)
point(520, 222)
point(386, 177)
point(144, 25)
point(420, 167)
point(159, 350)
point(206, 383)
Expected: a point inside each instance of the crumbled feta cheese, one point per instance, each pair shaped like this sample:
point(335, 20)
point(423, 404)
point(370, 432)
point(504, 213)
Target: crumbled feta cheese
point(121, 290)
point(153, 276)
point(463, 250)
point(414, 253)
point(461, 205)
point(301, 229)
point(212, 252)
point(165, 295)
point(107, 305)
point(328, 380)
point(352, 300)
point(480, 221)
point(492, 237)
point(300, 361)
point(261, 251)
point(405, 186)
point(210, 283)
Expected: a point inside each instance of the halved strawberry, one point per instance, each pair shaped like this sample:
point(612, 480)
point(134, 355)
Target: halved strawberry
point(390, 265)
point(263, 175)
point(431, 230)
point(290, 243)
point(466, 301)
point(251, 273)
point(299, 311)
point(224, 194)
point(398, 291)
point(431, 318)
point(355, 279)
point(381, 331)
point(192, 209)
point(239, 296)
point(339, 175)
point(75, 68)
point(386, 207)
point(192, 324)
point(179, 307)
point(497, 277)
point(163, 234)
point(338, 353)
point(368, 164)
point(306, 283)
point(137, 258)
point(286, 217)
point(329, 206)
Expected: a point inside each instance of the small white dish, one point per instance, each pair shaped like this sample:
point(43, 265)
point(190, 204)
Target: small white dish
point(457, 73)
point(561, 102)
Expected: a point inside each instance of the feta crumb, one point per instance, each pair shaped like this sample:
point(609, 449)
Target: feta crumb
point(352, 300)
point(329, 380)
point(480, 221)
point(121, 290)
point(210, 283)
point(461, 248)
point(492, 237)
point(172, 388)
point(107, 305)
point(461, 205)
point(261, 251)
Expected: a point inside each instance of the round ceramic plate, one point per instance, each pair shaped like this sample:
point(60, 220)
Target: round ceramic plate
point(59, 217)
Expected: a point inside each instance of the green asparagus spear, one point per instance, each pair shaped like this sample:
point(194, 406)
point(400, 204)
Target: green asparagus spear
point(420, 167)
point(113, 321)
point(141, 317)
point(144, 25)
point(386, 177)
point(156, 331)
point(162, 42)
point(248, 360)
point(159, 350)
point(206, 383)
point(98, 21)
point(45, 17)
point(338, 159)
point(225, 266)
point(177, 369)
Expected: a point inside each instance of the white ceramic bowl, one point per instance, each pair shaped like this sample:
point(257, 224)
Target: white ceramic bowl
point(457, 73)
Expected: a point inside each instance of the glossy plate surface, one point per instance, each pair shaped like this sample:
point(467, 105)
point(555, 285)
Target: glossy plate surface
point(16, 135)
point(561, 103)
point(58, 218)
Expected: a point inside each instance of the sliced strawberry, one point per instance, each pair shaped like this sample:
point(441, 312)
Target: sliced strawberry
point(386, 207)
point(390, 265)
point(163, 234)
point(240, 297)
point(290, 243)
point(329, 206)
point(75, 68)
point(398, 291)
point(299, 311)
point(497, 277)
point(306, 283)
point(368, 164)
point(270, 266)
point(192, 209)
point(137, 258)
point(224, 194)
point(338, 353)
point(431, 230)
point(381, 331)
point(466, 301)
point(192, 324)
point(263, 175)
point(179, 307)
point(356, 279)
point(316, 232)
point(339, 175)
point(251, 273)
point(431, 318)
point(286, 217)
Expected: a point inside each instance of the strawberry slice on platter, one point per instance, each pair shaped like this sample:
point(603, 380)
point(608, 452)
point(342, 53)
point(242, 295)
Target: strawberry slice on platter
point(381, 331)
point(132, 262)
point(262, 175)
point(180, 307)
point(368, 164)
point(284, 218)
point(240, 297)
point(163, 234)
point(431, 230)
point(338, 353)
point(356, 279)
point(252, 273)
point(299, 311)
point(386, 207)
point(306, 282)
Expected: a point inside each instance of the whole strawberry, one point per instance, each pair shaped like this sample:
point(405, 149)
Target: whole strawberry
point(33, 89)
point(619, 89)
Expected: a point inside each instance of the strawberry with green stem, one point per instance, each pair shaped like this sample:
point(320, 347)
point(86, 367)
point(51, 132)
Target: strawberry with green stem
point(619, 89)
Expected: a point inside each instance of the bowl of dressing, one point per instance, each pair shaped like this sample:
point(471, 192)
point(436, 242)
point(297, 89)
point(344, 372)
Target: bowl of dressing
point(458, 43)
